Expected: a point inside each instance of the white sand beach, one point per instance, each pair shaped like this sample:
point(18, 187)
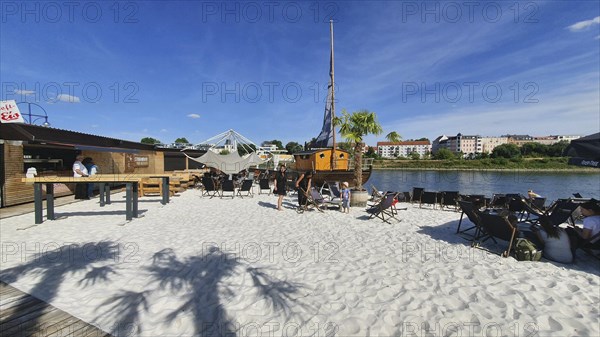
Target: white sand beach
point(223, 267)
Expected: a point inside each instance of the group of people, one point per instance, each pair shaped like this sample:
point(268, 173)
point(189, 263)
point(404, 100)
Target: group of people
point(84, 167)
point(559, 244)
point(303, 185)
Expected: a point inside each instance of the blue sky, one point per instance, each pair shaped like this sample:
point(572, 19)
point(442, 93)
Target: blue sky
point(196, 68)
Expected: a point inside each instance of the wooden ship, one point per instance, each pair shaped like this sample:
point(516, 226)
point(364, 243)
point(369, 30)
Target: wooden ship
point(327, 162)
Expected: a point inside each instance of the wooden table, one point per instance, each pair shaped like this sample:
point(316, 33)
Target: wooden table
point(131, 192)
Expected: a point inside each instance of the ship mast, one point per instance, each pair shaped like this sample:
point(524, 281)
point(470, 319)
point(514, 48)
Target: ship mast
point(333, 156)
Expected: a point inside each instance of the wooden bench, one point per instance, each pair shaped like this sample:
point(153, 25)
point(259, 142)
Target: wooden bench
point(153, 186)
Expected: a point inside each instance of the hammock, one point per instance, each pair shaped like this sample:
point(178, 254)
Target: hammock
point(230, 163)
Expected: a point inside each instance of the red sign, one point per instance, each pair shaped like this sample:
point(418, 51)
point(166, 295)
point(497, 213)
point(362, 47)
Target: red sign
point(9, 112)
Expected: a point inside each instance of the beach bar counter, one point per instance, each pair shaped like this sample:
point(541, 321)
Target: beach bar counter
point(51, 152)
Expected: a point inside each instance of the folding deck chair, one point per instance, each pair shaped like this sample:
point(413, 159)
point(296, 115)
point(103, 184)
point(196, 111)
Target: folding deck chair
point(497, 226)
point(416, 194)
point(449, 199)
point(209, 187)
point(430, 198)
point(313, 199)
point(263, 184)
point(228, 186)
point(246, 187)
point(335, 195)
point(470, 209)
point(384, 208)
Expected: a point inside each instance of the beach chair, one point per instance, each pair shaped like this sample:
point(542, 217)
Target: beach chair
point(416, 194)
point(314, 199)
point(449, 199)
point(228, 186)
point(376, 195)
point(263, 184)
point(429, 198)
point(208, 187)
point(407, 196)
point(334, 194)
point(499, 201)
point(247, 188)
point(384, 210)
point(497, 226)
point(539, 202)
point(590, 245)
point(472, 213)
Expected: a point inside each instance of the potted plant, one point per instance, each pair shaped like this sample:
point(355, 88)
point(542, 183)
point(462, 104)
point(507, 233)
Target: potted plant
point(354, 127)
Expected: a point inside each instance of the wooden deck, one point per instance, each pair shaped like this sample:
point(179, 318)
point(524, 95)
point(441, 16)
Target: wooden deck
point(24, 315)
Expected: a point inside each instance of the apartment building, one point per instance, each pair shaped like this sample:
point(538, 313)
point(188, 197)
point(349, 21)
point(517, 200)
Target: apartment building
point(403, 149)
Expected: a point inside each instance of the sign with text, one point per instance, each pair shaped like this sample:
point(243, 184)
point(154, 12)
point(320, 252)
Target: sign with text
point(9, 112)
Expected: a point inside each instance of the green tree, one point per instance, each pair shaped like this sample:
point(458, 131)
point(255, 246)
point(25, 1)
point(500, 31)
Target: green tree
point(533, 150)
point(150, 140)
point(346, 146)
point(293, 147)
point(354, 127)
point(393, 137)
point(506, 151)
point(443, 154)
point(422, 139)
point(182, 140)
point(557, 149)
point(414, 156)
point(275, 142)
point(224, 152)
point(371, 153)
point(247, 148)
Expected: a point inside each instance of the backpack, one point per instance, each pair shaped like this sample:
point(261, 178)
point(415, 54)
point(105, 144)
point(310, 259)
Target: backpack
point(526, 250)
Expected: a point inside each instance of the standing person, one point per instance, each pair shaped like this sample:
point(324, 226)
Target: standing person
point(279, 185)
point(303, 187)
point(345, 197)
point(79, 170)
point(92, 169)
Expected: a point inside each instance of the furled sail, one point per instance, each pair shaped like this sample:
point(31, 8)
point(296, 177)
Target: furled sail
point(326, 138)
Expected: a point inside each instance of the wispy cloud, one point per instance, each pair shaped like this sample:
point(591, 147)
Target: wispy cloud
point(582, 25)
point(164, 130)
point(193, 116)
point(24, 92)
point(67, 98)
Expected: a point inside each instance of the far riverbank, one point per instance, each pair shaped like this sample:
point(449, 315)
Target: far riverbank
point(487, 164)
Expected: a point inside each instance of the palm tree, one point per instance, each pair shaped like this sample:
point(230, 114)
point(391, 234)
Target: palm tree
point(393, 137)
point(354, 127)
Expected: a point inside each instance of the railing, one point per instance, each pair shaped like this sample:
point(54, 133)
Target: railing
point(366, 163)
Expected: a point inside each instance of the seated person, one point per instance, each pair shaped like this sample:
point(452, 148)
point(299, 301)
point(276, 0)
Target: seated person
point(591, 225)
point(532, 195)
point(554, 240)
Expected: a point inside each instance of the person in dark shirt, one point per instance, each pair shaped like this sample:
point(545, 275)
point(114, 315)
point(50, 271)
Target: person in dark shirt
point(303, 186)
point(279, 185)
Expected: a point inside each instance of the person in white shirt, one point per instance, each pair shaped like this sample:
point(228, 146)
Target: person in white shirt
point(591, 225)
point(79, 171)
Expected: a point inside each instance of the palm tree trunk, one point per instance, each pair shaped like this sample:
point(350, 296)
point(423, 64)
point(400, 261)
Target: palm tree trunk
point(358, 166)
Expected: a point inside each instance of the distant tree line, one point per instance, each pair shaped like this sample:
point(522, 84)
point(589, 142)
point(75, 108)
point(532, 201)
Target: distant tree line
point(510, 151)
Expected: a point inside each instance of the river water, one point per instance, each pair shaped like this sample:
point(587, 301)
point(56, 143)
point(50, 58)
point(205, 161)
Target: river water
point(551, 185)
